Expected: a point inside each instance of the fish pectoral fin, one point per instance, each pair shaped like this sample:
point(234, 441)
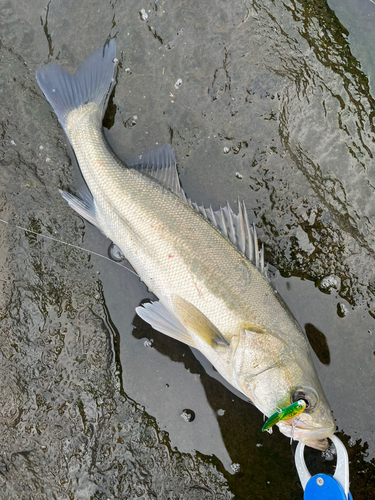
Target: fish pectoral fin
point(83, 205)
point(163, 321)
point(159, 163)
point(195, 321)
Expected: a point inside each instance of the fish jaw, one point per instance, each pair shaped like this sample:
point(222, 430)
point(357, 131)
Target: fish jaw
point(312, 427)
point(310, 436)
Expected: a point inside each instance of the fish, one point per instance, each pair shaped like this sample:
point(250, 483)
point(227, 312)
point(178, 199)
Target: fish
point(205, 267)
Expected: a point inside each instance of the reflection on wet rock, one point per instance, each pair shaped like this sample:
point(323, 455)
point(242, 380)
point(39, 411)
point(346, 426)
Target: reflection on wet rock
point(342, 310)
point(115, 253)
point(328, 284)
point(188, 415)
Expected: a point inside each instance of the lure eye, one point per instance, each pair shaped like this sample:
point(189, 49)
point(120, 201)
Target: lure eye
point(308, 395)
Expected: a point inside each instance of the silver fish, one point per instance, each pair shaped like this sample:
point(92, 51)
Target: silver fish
point(204, 266)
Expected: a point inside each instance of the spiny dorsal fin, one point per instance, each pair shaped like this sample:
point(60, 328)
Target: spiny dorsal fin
point(238, 229)
point(159, 163)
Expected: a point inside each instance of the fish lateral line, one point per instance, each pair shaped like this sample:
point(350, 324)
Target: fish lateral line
point(77, 247)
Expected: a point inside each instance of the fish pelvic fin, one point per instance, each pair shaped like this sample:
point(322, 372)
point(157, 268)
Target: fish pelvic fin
point(92, 83)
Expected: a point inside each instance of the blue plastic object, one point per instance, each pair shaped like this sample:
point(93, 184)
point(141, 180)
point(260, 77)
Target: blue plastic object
point(324, 486)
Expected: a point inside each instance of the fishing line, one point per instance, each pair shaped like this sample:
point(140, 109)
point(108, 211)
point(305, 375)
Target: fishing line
point(47, 237)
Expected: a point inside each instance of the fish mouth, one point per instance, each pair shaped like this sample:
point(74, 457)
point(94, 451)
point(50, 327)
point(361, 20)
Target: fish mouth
point(315, 437)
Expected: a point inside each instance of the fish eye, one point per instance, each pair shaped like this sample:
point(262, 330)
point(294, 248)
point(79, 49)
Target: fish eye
point(308, 395)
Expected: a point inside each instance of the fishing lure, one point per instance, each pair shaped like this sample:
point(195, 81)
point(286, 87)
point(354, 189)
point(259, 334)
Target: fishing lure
point(287, 413)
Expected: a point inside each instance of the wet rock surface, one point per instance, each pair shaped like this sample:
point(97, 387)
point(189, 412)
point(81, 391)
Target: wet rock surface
point(260, 101)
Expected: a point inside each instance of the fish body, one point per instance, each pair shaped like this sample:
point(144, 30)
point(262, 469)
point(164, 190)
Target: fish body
point(212, 287)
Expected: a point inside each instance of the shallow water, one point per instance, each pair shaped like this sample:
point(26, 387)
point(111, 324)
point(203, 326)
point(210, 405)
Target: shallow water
point(274, 107)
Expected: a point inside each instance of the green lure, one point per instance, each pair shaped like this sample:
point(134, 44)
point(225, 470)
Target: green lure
point(287, 413)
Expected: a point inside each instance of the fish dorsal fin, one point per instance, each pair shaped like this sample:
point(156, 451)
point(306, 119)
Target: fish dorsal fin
point(238, 229)
point(159, 163)
point(196, 322)
point(163, 321)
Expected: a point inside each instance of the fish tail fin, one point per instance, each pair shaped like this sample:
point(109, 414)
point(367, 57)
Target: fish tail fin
point(92, 82)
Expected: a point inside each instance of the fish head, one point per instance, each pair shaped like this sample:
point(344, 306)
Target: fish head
point(274, 374)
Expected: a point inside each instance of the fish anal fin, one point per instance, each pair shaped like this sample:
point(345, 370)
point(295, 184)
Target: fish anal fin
point(155, 314)
point(83, 205)
point(195, 321)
